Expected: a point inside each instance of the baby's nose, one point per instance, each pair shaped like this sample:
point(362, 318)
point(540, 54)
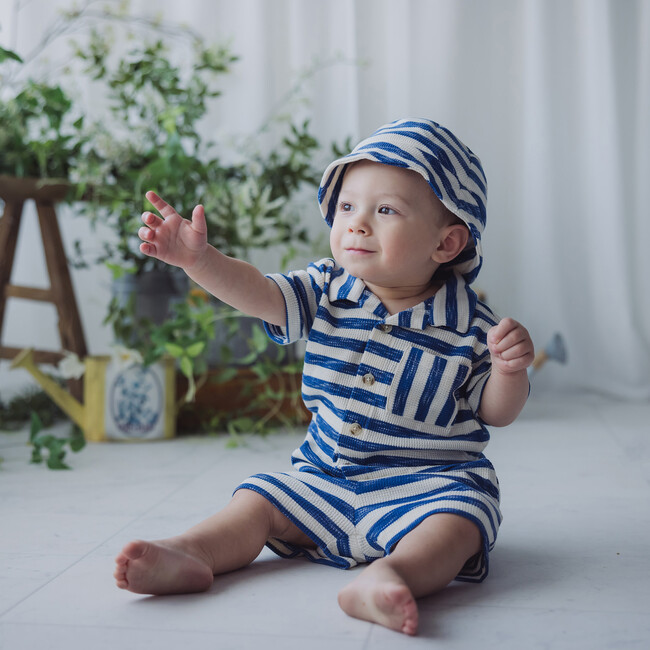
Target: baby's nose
point(359, 224)
point(360, 228)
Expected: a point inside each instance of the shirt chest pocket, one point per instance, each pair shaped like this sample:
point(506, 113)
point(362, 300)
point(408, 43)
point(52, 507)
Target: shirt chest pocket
point(424, 387)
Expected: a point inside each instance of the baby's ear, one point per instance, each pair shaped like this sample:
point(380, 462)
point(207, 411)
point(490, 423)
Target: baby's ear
point(453, 239)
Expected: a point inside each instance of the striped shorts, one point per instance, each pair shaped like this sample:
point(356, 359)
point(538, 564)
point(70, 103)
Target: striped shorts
point(358, 521)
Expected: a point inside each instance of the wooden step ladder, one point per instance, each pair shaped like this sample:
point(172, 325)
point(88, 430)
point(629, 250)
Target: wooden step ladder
point(15, 192)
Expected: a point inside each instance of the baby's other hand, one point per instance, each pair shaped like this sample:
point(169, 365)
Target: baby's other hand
point(510, 346)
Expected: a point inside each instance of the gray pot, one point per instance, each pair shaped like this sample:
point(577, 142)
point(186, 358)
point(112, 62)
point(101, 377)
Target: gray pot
point(238, 344)
point(155, 292)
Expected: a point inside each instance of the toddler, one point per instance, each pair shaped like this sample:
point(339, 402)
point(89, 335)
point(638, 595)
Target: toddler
point(404, 368)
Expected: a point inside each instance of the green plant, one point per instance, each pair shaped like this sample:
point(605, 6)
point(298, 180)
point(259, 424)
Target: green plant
point(153, 141)
point(277, 382)
point(158, 105)
point(184, 335)
point(41, 131)
point(152, 138)
point(267, 395)
point(55, 445)
point(37, 408)
point(248, 206)
point(149, 140)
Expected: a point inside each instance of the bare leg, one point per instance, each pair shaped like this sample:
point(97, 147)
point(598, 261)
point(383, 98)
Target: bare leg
point(229, 540)
point(423, 562)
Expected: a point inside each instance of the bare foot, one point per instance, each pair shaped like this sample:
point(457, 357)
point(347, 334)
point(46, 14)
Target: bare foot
point(160, 568)
point(388, 602)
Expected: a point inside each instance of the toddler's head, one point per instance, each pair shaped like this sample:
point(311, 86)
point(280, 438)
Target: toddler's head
point(450, 168)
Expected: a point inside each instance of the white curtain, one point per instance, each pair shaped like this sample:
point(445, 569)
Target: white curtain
point(554, 97)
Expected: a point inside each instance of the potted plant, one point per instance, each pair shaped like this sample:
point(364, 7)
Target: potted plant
point(184, 336)
point(152, 139)
point(247, 202)
point(42, 144)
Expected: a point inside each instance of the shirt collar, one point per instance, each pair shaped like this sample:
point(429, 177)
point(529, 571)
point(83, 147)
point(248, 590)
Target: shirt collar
point(452, 306)
point(344, 286)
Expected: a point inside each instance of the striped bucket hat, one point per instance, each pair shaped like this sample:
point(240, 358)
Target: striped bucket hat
point(450, 168)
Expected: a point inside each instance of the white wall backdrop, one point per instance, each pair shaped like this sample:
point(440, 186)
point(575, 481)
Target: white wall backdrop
point(553, 95)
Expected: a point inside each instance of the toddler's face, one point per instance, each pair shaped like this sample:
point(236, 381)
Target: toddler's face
point(387, 226)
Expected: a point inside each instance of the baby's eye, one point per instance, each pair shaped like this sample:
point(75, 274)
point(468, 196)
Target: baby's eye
point(384, 209)
point(345, 207)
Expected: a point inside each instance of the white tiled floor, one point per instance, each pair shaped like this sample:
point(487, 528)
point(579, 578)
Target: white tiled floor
point(571, 568)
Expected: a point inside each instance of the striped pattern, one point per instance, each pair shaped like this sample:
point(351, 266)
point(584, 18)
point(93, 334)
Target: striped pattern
point(452, 170)
point(394, 437)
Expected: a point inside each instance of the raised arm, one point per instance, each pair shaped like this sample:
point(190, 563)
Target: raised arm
point(506, 390)
point(184, 243)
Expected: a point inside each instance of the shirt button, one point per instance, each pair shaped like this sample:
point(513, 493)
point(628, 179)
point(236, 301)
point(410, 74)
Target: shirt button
point(355, 429)
point(385, 328)
point(368, 379)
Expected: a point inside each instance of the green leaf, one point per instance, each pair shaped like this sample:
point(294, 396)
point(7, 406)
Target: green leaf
point(251, 357)
point(187, 368)
point(77, 438)
point(57, 454)
point(226, 374)
point(8, 54)
point(56, 463)
point(120, 271)
point(260, 340)
point(36, 426)
point(175, 350)
point(195, 349)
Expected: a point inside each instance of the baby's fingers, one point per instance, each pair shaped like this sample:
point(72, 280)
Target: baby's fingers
point(506, 335)
point(510, 345)
point(199, 224)
point(151, 220)
point(515, 354)
point(146, 234)
point(162, 206)
point(148, 249)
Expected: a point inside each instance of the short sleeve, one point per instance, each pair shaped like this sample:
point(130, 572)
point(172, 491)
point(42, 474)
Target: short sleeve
point(302, 291)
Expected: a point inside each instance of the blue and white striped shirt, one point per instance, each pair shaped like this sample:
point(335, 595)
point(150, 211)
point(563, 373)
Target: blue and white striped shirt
point(389, 393)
